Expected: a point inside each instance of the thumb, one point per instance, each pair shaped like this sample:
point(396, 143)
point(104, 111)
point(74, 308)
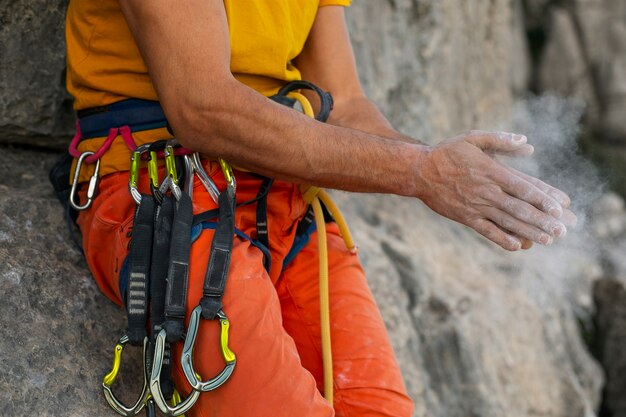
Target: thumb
point(503, 143)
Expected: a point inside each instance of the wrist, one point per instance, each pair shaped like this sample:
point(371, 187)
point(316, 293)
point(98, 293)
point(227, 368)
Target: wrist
point(417, 167)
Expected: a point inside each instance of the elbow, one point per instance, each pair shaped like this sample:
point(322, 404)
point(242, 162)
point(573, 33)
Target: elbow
point(196, 117)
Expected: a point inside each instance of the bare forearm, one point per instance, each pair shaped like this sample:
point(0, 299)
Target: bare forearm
point(362, 114)
point(252, 132)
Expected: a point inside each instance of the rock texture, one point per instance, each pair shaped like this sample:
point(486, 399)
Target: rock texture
point(478, 332)
point(58, 331)
point(610, 297)
point(439, 66)
point(33, 101)
point(584, 56)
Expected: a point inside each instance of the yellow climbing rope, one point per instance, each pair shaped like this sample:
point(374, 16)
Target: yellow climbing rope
point(313, 195)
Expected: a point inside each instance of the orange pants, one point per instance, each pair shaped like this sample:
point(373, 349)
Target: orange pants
point(275, 325)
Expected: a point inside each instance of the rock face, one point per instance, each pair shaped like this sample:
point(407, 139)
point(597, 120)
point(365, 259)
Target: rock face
point(439, 66)
point(58, 332)
point(33, 101)
point(610, 297)
point(585, 57)
point(478, 332)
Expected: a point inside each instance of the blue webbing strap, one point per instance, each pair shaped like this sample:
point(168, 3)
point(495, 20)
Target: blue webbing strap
point(138, 114)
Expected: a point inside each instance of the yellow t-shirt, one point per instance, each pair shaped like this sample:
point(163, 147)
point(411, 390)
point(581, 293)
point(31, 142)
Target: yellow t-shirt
point(104, 64)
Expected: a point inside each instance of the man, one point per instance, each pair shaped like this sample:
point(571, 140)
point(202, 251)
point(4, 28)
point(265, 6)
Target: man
point(211, 65)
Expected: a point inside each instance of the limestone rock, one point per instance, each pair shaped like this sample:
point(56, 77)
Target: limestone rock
point(610, 299)
point(34, 105)
point(57, 330)
point(437, 67)
point(586, 57)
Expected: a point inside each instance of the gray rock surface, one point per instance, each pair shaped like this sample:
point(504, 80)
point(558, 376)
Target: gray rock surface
point(610, 298)
point(478, 332)
point(33, 101)
point(585, 57)
point(439, 66)
point(57, 331)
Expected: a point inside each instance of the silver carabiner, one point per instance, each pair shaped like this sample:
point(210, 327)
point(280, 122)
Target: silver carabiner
point(93, 183)
point(210, 186)
point(155, 383)
point(189, 173)
point(109, 379)
point(186, 359)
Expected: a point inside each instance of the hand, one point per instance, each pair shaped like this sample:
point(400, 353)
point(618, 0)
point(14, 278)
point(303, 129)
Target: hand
point(459, 180)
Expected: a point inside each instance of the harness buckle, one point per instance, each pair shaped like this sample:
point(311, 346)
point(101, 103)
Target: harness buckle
point(110, 378)
point(93, 183)
point(187, 360)
point(180, 407)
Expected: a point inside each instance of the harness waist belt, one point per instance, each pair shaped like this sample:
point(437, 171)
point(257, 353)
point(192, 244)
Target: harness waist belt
point(138, 114)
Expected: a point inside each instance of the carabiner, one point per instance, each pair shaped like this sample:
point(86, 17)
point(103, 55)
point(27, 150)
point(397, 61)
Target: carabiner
point(93, 183)
point(135, 161)
point(210, 186)
point(228, 175)
point(153, 173)
point(170, 161)
point(187, 360)
point(109, 379)
point(155, 383)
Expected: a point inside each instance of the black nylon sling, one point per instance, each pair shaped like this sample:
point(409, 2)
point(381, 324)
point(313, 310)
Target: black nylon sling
point(219, 258)
point(158, 284)
point(178, 270)
point(139, 270)
point(261, 217)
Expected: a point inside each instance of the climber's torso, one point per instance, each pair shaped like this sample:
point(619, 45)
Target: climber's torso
point(105, 66)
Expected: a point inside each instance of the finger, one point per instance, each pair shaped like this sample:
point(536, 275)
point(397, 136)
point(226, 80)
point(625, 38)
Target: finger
point(496, 235)
point(499, 142)
point(526, 191)
point(522, 151)
point(530, 215)
point(568, 218)
point(555, 193)
point(517, 227)
point(526, 243)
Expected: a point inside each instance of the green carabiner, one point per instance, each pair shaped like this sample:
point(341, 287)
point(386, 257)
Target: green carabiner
point(133, 178)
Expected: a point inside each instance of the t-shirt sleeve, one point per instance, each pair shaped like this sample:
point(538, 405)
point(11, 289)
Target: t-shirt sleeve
point(334, 3)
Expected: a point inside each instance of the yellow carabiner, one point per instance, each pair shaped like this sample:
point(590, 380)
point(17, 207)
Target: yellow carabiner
point(133, 176)
point(186, 358)
point(110, 378)
point(228, 174)
point(153, 170)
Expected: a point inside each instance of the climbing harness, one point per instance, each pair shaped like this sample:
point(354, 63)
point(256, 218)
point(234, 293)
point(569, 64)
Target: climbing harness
point(155, 276)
